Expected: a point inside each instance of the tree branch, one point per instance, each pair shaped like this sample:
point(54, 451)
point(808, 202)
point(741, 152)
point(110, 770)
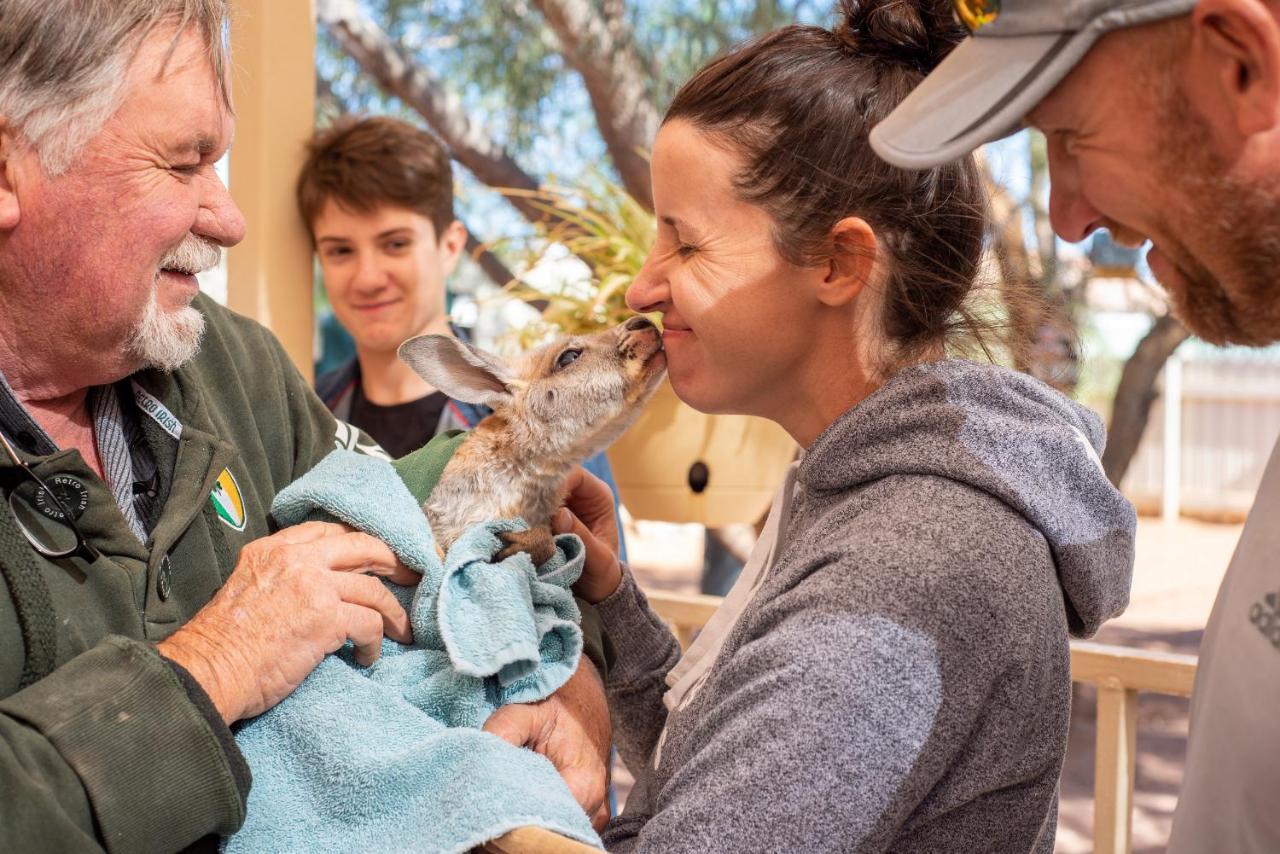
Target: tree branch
point(1131, 407)
point(1009, 246)
point(326, 97)
point(395, 73)
point(492, 265)
point(597, 44)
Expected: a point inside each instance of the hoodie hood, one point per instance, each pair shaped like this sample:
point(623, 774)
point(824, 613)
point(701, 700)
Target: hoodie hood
point(1011, 437)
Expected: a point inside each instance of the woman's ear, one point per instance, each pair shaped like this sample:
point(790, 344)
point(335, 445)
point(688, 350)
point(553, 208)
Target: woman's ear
point(1235, 56)
point(852, 262)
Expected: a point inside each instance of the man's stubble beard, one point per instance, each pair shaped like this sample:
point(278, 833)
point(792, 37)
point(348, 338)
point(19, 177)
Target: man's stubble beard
point(1242, 217)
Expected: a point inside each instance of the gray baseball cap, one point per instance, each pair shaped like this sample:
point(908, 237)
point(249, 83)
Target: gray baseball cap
point(1019, 51)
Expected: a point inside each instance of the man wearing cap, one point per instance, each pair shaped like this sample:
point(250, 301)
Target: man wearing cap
point(1163, 125)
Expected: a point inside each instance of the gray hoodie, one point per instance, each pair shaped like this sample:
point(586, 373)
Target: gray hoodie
point(901, 681)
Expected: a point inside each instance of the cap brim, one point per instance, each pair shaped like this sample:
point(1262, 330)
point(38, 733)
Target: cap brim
point(982, 91)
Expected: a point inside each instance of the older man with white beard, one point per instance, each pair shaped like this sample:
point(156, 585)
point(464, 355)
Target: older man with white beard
point(147, 603)
point(1163, 124)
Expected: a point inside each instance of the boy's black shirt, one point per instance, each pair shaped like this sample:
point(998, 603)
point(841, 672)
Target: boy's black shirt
point(398, 428)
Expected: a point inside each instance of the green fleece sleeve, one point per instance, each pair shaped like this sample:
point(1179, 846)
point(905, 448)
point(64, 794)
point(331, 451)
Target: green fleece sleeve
point(109, 751)
point(315, 432)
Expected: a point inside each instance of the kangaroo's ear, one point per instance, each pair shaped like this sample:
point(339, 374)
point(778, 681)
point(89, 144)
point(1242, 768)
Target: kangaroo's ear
point(459, 370)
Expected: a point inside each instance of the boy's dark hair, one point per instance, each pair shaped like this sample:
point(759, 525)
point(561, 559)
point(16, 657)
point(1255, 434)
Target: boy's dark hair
point(364, 163)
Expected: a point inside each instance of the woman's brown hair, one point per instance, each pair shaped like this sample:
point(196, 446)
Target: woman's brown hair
point(798, 103)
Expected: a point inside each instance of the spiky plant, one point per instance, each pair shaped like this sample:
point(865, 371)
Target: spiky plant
point(606, 229)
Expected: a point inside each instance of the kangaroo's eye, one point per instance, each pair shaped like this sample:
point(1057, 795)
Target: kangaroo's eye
point(567, 358)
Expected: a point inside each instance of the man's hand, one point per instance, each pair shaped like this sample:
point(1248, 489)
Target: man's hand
point(589, 513)
point(571, 728)
point(293, 597)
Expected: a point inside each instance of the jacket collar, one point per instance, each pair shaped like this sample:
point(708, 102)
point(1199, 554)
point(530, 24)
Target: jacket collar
point(19, 426)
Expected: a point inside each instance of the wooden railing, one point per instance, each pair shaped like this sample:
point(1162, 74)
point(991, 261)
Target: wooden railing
point(1119, 673)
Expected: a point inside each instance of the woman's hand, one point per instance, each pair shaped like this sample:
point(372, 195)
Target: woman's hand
point(589, 513)
point(571, 728)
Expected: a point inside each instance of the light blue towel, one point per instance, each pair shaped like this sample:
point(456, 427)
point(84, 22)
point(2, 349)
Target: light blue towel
point(390, 757)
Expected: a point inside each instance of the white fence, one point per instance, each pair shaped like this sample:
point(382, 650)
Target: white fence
point(1223, 423)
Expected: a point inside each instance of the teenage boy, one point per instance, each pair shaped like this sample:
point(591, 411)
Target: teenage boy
point(377, 196)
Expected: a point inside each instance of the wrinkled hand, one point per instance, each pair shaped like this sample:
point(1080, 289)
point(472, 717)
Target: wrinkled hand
point(571, 728)
point(589, 513)
point(293, 597)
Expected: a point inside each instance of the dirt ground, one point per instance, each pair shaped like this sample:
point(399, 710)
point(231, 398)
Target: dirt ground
point(1179, 567)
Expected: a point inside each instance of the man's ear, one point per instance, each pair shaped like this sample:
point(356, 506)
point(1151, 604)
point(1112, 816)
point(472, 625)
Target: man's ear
point(451, 243)
point(852, 262)
point(10, 212)
point(459, 370)
point(1235, 56)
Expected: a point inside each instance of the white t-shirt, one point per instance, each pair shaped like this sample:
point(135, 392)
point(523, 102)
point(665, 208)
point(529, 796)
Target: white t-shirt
point(691, 670)
point(1230, 798)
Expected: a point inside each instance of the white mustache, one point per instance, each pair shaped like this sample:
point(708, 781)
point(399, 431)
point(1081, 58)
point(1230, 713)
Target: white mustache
point(193, 255)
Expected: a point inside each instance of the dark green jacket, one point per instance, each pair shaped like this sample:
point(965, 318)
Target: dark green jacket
point(102, 742)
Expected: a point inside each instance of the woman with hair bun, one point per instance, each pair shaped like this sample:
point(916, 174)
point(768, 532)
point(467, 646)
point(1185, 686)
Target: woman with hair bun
point(891, 672)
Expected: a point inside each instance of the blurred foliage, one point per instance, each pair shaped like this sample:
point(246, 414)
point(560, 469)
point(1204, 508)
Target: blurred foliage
point(610, 234)
point(504, 61)
point(678, 37)
point(504, 64)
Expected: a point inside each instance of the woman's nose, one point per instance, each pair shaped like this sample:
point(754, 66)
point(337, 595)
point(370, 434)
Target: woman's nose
point(649, 290)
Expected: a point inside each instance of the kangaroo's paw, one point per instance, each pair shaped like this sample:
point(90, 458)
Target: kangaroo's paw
point(536, 542)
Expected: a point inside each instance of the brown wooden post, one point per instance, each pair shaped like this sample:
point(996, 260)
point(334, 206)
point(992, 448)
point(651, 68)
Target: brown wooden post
point(269, 275)
point(1115, 764)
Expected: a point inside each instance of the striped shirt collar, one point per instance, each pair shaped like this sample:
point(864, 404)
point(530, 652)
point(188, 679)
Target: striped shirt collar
point(128, 465)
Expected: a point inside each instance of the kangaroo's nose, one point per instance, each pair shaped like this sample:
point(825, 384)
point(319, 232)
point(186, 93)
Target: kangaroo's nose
point(638, 322)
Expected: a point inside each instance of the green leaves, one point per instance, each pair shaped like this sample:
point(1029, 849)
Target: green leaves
point(605, 229)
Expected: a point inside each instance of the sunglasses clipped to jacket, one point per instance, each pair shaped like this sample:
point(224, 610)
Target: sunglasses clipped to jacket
point(42, 517)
